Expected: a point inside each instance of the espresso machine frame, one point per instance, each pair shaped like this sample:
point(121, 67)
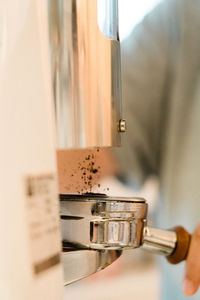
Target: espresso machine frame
point(86, 76)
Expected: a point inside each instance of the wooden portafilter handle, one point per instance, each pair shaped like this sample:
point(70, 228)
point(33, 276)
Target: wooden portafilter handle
point(182, 246)
point(174, 243)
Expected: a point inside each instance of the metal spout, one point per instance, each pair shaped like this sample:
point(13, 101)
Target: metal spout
point(85, 56)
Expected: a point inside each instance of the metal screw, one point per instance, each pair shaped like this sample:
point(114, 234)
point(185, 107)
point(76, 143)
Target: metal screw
point(122, 125)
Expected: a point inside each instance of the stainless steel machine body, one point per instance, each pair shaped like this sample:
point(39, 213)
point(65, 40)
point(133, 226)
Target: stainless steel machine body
point(85, 54)
point(86, 76)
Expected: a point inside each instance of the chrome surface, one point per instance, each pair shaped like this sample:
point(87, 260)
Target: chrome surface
point(85, 55)
point(102, 222)
point(82, 263)
point(107, 225)
point(159, 241)
point(107, 14)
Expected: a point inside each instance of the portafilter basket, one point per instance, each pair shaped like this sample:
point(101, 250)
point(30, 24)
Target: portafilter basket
point(96, 221)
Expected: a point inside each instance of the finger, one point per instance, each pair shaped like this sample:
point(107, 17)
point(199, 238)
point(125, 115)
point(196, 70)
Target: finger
point(192, 271)
point(190, 287)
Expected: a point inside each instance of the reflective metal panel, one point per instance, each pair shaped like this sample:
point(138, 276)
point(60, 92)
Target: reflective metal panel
point(82, 263)
point(85, 53)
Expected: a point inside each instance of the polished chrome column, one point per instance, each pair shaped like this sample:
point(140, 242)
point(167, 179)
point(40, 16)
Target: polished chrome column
point(85, 54)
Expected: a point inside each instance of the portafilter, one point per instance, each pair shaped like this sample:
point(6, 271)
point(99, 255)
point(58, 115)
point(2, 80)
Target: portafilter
point(96, 221)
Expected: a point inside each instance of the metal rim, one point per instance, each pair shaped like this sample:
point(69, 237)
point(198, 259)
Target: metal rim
point(102, 197)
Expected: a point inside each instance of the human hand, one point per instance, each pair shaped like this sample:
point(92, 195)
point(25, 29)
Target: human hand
point(191, 281)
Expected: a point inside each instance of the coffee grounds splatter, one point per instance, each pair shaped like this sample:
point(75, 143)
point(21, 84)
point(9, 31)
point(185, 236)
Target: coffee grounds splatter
point(88, 172)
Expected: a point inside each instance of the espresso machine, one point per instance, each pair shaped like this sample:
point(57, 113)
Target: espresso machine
point(60, 89)
point(85, 58)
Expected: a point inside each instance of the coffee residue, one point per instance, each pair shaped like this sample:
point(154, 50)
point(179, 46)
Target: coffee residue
point(83, 173)
point(88, 172)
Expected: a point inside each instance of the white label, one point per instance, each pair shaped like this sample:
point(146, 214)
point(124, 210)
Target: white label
point(43, 221)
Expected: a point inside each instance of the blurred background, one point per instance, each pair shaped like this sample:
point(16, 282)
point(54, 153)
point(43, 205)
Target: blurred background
point(131, 13)
point(135, 274)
